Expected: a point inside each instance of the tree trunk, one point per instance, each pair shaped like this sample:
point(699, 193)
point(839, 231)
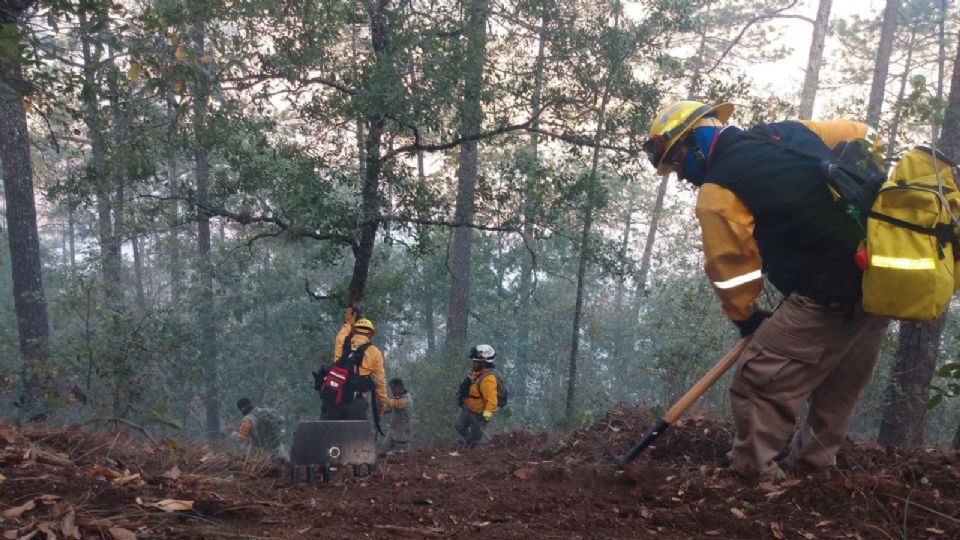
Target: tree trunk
point(898, 109)
point(471, 116)
point(585, 245)
point(72, 237)
point(905, 400)
point(941, 56)
point(645, 260)
point(138, 272)
point(882, 66)
point(950, 132)
point(619, 339)
point(527, 268)
point(811, 80)
point(950, 140)
point(29, 301)
point(92, 51)
point(370, 192)
point(208, 333)
point(585, 253)
point(173, 215)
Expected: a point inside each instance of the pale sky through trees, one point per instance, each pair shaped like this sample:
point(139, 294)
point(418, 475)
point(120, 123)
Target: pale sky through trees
point(787, 74)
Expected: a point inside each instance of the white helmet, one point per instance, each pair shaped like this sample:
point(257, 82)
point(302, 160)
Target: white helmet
point(483, 353)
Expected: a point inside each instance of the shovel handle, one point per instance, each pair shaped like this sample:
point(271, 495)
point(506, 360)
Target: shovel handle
point(706, 382)
point(686, 401)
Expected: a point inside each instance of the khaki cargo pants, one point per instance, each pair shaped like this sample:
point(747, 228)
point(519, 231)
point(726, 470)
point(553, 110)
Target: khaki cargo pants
point(804, 351)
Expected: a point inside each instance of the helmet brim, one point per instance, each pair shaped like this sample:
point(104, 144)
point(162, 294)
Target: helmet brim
point(723, 112)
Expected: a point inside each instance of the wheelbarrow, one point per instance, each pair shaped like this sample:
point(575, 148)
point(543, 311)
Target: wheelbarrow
point(325, 444)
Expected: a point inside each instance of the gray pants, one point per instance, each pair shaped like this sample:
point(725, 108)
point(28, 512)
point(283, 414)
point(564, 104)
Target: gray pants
point(472, 429)
point(398, 446)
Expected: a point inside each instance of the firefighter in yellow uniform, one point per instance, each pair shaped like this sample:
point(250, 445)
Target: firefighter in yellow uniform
point(354, 337)
point(765, 210)
point(478, 398)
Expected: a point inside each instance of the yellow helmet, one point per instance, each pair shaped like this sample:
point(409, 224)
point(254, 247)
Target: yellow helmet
point(672, 124)
point(365, 326)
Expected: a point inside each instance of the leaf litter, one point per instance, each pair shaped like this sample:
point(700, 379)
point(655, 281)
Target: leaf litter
point(75, 484)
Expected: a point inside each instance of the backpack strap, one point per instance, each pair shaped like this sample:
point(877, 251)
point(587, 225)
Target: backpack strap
point(943, 232)
point(797, 149)
point(358, 354)
point(345, 348)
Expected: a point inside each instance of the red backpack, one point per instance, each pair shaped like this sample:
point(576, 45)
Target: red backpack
point(342, 382)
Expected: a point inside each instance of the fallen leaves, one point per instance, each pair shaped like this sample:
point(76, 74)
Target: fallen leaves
point(8, 434)
point(173, 474)
point(100, 471)
point(119, 533)
point(68, 525)
point(777, 531)
point(522, 473)
point(133, 479)
point(115, 477)
point(17, 511)
point(168, 505)
point(738, 513)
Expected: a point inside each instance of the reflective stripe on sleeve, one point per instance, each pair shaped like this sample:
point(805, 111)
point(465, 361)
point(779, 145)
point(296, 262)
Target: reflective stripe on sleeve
point(739, 280)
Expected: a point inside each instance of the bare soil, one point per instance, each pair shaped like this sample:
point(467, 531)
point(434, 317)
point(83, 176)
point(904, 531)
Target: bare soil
point(522, 485)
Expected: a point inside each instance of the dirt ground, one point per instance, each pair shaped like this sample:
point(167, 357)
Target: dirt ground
point(74, 484)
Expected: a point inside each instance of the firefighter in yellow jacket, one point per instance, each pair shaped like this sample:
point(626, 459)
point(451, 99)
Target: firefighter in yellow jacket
point(354, 337)
point(478, 398)
point(765, 210)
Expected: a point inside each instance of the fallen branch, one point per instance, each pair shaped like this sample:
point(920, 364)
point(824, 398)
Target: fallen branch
point(908, 502)
point(122, 421)
point(410, 530)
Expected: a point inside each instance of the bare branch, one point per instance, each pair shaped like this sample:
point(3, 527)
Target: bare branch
point(778, 14)
point(122, 421)
point(443, 223)
point(580, 140)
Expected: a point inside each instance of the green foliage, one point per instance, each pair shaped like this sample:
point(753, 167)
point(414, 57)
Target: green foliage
point(951, 386)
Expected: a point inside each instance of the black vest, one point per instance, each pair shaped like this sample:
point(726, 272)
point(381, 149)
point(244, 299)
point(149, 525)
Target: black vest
point(806, 241)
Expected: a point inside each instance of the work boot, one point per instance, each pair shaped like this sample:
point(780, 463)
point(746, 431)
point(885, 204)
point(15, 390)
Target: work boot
point(772, 476)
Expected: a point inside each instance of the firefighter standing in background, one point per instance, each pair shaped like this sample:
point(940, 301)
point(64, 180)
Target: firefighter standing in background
point(400, 409)
point(478, 398)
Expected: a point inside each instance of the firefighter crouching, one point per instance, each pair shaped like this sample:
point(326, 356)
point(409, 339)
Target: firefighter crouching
point(262, 429)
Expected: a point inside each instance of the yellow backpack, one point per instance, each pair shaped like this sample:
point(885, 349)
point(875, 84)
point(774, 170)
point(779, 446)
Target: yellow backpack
point(913, 254)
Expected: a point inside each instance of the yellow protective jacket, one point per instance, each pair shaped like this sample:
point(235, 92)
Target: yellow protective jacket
point(340, 338)
point(482, 397)
point(372, 363)
point(732, 258)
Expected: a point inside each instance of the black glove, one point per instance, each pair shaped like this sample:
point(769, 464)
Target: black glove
point(750, 325)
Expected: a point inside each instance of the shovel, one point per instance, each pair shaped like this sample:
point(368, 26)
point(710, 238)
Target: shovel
point(685, 402)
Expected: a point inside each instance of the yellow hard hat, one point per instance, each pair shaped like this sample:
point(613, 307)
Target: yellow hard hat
point(365, 325)
point(672, 124)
